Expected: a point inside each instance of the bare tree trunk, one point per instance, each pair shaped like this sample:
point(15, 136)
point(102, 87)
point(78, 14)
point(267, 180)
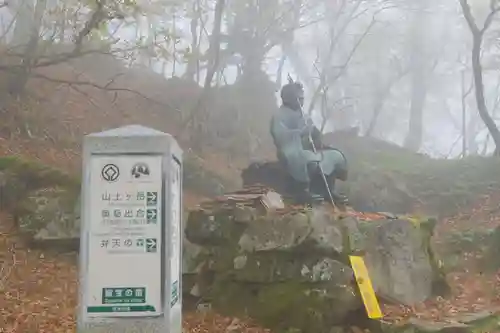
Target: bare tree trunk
point(24, 15)
point(493, 115)
point(62, 23)
point(193, 61)
point(377, 110)
point(481, 104)
point(214, 58)
point(381, 97)
point(419, 92)
point(472, 147)
point(464, 118)
point(419, 69)
point(174, 52)
point(477, 40)
point(465, 93)
point(19, 78)
point(214, 48)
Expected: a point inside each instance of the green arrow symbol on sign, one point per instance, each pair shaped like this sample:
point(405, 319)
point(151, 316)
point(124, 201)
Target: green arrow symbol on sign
point(151, 244)
point(151, 198)
point(151, 214)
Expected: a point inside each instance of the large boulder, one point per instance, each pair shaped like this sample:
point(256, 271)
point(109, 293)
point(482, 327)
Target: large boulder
point(42, 201)
point(19, 178)
point(400, 259)
point(294, 263)
point(50, 217)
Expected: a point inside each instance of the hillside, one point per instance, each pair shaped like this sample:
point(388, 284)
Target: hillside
point(47, 126)
point(49, 123)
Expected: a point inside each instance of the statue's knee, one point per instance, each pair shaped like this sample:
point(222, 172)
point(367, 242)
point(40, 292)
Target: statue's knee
point(312, 168)
point(341, 173)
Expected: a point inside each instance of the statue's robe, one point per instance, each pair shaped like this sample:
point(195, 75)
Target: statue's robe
point(287, 129)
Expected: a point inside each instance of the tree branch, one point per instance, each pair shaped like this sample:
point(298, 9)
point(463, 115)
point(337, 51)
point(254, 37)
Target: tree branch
point(323, 76)
point(67, 56)
point(493, 10)
point(471, 22)
point(99, 15)
point(106, 87)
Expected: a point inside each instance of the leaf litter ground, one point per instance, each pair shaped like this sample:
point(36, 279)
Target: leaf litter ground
point(472, 290)
point(39, 294)
point(38, 290)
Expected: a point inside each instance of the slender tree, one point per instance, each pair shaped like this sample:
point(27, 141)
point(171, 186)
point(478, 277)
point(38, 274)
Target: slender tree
point(477, 70)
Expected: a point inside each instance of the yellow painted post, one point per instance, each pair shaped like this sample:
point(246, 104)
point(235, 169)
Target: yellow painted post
point(365, 287)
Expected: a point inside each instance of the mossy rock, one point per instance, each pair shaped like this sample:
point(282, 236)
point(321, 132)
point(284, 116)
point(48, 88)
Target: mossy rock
point(288, 305)
point(244, 230)
point(213, 228)
point(400, 259)
point(49, 218)
point(278, 247)
point(18, 177)
point(273, 267)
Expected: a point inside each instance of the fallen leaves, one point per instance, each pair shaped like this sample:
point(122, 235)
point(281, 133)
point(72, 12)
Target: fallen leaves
point(471, 293)
point(40, 293)
point(485, 214)
point(211, 322)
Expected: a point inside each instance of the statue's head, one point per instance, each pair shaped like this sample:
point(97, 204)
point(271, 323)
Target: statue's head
point(292, 95)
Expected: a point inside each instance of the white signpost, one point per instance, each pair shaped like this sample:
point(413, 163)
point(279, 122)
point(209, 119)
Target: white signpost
point(131, 244)
point(176, 239)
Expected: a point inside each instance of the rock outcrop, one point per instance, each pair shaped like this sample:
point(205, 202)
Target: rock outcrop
point(368, 191)
point(293, 263)
point(42, 201)
point(50, 217)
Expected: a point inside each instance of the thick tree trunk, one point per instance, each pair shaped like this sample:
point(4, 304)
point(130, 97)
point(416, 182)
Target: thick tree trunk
point(479, 89)
point(19, 77)
point(419, 71)
point(380, 98)
point(195, 118)
point(194, 58)
point(23, 10)
point(418, 97)
point(377, 110)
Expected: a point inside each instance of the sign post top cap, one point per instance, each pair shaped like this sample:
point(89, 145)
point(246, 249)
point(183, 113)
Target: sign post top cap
point(130, 131)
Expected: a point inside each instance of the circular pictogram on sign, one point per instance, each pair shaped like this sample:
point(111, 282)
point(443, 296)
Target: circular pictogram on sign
point(110, 172)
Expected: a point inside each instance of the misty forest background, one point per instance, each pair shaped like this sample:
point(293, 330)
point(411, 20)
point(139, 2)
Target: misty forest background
point(421, 74)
